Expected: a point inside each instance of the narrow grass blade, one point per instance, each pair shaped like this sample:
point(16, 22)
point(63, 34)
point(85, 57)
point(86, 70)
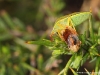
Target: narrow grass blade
point(99, 36)
point(90, 29)
point(65, 70)
point(19, 24)
point(97, 66)
point(7, 19)
point(41, 42)
point(2, 25)
point(87, 71)
point(73, 71)
point(86, 57)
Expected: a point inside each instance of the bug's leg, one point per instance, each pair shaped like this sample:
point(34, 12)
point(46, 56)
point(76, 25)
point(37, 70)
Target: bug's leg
point(70, 23)
point(72, 26)
point(53, 32)
point(60, 36)
point(51, 36)
point(59, 33)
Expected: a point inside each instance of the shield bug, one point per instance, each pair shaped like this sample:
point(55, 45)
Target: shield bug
point(64, 27)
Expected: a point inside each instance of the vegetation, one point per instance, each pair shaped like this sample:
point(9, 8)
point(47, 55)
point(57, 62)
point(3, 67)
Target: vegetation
point(34, 24)
point(88, 50)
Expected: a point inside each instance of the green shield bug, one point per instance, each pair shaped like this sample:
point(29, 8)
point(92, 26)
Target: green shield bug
point(65, 28)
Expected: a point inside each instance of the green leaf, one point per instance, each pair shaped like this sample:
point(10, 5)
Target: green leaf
point(42, 42)
point(19, 24)
point(77, 61)
point(5, 36)
point(75, 73)
point(93, 51)
point(87, 71)
point(56, 53)
point(85, 57)
point(65, 70)
point(90, 29)
point(25, 65)
point(40, 62)
point(83, 38)
point(92, 60)
point(2, 69)
point(97, 66)
point(99, 36)
point(7, 19)
point(2, 25)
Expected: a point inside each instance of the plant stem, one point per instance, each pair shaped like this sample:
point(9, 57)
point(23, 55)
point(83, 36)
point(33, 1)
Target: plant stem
point(90, 29)
point(97, 66)
point(65, 70)
point(75, 73)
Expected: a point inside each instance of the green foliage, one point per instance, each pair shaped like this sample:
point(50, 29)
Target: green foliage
point(16, 56)
point(11, 57)
point(20, 58)
point(88, 50)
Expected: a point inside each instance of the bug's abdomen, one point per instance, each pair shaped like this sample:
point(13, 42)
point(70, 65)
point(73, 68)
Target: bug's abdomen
point(71, 38)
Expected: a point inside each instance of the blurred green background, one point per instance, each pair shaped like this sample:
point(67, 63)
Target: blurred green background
point(24, 20)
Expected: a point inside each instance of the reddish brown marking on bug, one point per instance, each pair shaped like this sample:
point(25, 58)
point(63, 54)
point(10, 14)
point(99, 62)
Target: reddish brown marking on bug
point(68, 31)
point(70, 36)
